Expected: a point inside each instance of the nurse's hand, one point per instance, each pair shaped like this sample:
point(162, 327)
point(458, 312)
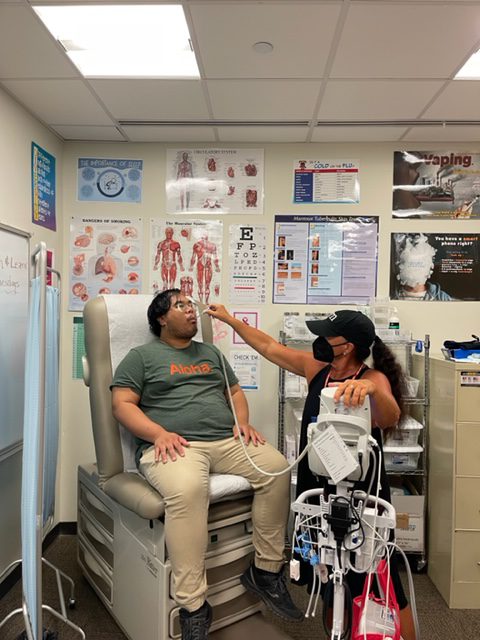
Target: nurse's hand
point(249, 433)
point(169, 444)
point(218, 311)
point(354, 392)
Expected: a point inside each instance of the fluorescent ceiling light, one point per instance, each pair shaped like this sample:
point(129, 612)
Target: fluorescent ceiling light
point(123, 40)
point(471, 69)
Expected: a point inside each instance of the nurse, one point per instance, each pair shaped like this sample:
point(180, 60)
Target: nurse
point(345, 340)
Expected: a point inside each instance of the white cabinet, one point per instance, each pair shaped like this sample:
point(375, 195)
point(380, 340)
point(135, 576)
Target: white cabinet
point(454, 488)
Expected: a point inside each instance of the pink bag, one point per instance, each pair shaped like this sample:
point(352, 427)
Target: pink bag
point(373, 617)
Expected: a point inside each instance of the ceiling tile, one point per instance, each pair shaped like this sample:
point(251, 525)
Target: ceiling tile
point(58, 101)
point(357, 134)
point(263, 99)
point(444, 134)
point(376, 99)
point(169, 134)
point(415, 40)
point(300, 33)
point(152, 99)
point(459, 101)
point(263, 134)
point(27, 50)
point(74, 132)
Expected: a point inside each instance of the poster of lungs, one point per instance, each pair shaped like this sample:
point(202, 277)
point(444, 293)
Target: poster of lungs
point(214, 181)
point(325, 259)
point(436, 184)
point(187, 256)
point(435, 266)
point(105, 257)
point(248, 247)
point(109, 180)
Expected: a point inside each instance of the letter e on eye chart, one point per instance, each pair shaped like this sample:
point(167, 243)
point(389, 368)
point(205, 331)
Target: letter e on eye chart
point(252, 318)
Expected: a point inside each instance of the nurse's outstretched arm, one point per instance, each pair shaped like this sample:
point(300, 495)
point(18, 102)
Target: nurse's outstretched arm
point(294, 360)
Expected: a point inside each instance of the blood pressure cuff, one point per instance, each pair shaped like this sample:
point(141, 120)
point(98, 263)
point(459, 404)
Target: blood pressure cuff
point(471, 345)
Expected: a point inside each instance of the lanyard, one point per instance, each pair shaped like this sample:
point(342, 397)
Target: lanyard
point(348, 377)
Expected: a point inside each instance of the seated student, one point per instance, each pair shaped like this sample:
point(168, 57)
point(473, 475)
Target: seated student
point(171, 394)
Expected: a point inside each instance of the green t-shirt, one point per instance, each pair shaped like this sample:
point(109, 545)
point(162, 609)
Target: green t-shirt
point(183, 390)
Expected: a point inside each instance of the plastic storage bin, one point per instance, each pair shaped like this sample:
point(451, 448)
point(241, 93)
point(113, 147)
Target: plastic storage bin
point(412, 385)
point(406, 435)
point(401, 459)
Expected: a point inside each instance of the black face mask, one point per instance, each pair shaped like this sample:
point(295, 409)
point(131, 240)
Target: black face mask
point(323, 350)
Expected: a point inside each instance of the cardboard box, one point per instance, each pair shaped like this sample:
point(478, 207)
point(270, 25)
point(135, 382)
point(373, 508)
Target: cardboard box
point(410, 529)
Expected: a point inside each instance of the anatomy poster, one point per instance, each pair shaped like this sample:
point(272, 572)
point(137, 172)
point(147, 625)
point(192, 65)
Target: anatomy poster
point(326, 181)
point(248, 247)
point(187, 255)
point(214, 181)
point(325, 259)
point(105, 257)
point(109, 180)
point(436, 184)
point(435, 266)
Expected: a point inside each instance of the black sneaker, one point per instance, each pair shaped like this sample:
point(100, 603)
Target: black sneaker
point(271, 588)
point(195, 625)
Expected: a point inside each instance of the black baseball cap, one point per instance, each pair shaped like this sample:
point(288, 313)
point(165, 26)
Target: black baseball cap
point(355, 326)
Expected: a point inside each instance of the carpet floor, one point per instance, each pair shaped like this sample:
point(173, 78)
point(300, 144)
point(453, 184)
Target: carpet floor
point(437, 621)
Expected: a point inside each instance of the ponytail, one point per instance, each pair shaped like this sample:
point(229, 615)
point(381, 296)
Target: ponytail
point(385, 361)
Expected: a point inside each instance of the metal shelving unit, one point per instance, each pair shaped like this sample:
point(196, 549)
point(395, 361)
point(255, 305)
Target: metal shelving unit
point(416, 364)
point(418, 408)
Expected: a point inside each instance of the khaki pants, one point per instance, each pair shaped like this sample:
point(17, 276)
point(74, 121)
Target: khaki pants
point(184, 487)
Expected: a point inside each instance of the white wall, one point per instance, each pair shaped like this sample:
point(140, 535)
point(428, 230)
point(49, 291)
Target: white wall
point(17, 131)
point(456, 320)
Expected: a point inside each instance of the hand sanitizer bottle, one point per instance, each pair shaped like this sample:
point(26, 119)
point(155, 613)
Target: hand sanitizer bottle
point(394, 322)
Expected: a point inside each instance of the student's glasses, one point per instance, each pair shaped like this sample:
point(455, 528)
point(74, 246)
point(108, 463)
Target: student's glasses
point(185, 306)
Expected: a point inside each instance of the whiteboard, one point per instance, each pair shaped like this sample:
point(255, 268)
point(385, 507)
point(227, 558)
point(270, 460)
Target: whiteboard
point(14, 285)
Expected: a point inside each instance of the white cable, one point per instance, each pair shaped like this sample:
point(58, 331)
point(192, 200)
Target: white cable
point(254, 465)
point(314, 584)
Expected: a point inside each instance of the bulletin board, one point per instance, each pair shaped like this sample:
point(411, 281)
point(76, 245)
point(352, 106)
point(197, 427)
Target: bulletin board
point(14, 287)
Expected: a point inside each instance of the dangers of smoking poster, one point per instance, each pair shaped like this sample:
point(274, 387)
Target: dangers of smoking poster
point(436, 184)
point(440, 267)
point(105, 257)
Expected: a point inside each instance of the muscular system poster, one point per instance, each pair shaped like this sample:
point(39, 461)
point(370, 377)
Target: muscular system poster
point(214, 181)
point(188, 256)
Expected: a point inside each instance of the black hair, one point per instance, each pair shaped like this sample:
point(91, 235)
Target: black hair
point(385, 361)
point(159, 306)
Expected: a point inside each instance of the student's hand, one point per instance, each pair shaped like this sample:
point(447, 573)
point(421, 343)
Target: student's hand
point(249, 433)
point(218, 311)
point(353, 392)
point(169, 444)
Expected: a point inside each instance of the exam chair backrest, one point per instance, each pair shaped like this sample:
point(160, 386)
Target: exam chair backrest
point(129, 321)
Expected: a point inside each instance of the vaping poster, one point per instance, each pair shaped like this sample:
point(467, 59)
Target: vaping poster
point(436, 184)
point(435, 267)
point(326, 181)
point(214, 181)
point(325, 259)
point(248, 247)
point(187, 255)
point(43, 188)
point(105, 257)
point(109, 180)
